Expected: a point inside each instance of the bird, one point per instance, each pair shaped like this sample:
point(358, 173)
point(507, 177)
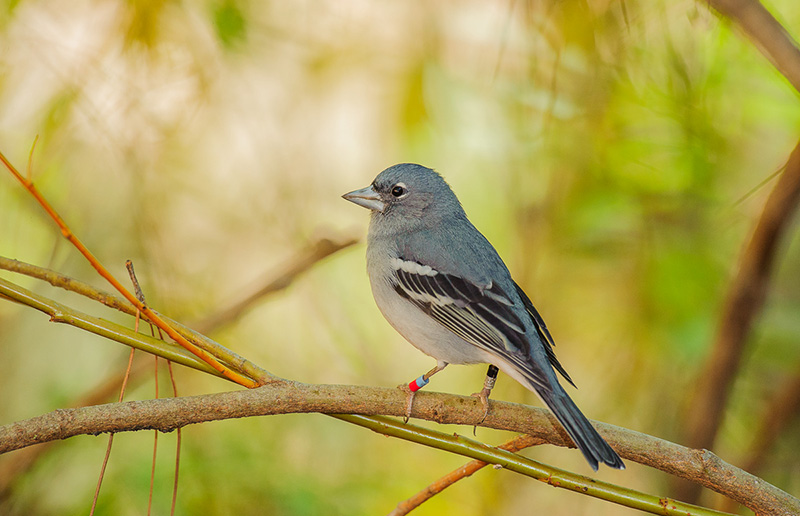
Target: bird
point(440, 284)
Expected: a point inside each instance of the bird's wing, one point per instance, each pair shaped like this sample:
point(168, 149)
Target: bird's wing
point(544, 334)
point(483, 315)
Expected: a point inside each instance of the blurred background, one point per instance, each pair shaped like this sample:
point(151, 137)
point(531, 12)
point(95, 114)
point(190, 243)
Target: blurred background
point(617, 154)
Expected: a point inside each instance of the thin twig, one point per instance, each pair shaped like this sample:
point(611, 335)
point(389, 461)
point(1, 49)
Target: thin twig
point(100, 268)
point(59, 280)
point(63, 314)
point(177, 445)
point(111, 435)
point(222, 353)
point(137, 290)
point(29, 170)
point(548, 474)
point(155, 448)
point(303, 260)
point(516, 444)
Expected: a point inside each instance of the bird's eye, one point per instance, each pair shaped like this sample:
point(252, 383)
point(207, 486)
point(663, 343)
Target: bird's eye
point(398, 190)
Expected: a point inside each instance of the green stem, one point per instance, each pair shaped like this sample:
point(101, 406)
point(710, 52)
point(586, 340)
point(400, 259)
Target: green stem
point(387, 426)
point(555, 477)
point(223, 354)
point(104, 328)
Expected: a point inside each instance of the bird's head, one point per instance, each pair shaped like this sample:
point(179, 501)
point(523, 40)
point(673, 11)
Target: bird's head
point(409, 194)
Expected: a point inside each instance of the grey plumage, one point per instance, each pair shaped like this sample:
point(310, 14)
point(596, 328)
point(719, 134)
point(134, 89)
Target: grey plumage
point(442, 285)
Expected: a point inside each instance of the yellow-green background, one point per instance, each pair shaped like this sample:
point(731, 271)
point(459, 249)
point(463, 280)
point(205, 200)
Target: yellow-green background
point(610, 150)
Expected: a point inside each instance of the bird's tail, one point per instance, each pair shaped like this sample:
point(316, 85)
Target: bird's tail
point(583, 434)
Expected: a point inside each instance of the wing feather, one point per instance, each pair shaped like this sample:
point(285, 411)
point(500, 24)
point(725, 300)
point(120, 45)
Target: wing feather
point(544, 333)
point(483, 315)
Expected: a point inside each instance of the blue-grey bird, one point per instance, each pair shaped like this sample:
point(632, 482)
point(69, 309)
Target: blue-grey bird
point(443, 287)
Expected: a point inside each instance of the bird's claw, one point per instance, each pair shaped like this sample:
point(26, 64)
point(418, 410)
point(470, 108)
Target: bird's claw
point(484, 397)
point(409, 400)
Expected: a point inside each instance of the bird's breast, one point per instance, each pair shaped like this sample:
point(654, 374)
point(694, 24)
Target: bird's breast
point(417, 327)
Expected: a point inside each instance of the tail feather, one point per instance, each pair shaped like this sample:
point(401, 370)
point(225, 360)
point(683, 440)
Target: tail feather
point(583, 434)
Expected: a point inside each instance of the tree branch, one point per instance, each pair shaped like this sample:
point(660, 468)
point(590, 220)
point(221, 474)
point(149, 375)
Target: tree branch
point(700, 467)
point(168, 414)
point(766, 33)
point(552, 476)
point(301, 262)
point(516, 444)
point(743, 303)
point(782, 409)
point(64, 314)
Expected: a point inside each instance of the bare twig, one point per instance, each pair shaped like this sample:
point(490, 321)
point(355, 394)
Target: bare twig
point(23, 460)
point(59, 280)
point(742, 305)
point(783, 408)
point(100, 268)
point(63, 314)
point(125, 379)
point(67, 283)
point(516, 444)
point(548, 474)
point(177, 446)
point(289, 397)
point(155, 448)
point(304, 259)
point(137, 289)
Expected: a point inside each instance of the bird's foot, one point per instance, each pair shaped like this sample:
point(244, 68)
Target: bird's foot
point(484, 397)
point(409, 400)
point(488, 385)
point(412, 388)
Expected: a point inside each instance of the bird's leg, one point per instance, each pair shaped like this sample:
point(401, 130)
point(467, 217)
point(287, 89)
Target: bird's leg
point(418, 384)
point(488, 385)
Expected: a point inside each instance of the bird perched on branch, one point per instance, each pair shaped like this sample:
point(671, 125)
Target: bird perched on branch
point(443, 287)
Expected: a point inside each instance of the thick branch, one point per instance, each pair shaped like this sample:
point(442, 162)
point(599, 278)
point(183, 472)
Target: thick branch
point(289, 397)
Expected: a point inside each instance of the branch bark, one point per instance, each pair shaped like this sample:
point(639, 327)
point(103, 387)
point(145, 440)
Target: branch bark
point(303, 260)
point(784, 407)
point(291, 397)
point(515, 445)
point(766, 33)
point(743, 304)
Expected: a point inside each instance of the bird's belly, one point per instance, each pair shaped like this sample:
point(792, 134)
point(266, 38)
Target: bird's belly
point(422, 331)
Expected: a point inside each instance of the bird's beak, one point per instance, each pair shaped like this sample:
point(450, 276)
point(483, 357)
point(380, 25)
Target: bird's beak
point(366, 197)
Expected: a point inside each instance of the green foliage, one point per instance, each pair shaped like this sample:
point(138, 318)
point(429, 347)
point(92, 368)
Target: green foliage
point(609, 150)
point(230, 23)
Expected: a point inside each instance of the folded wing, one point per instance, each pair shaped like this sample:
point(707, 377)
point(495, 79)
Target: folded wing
point(483, 315)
